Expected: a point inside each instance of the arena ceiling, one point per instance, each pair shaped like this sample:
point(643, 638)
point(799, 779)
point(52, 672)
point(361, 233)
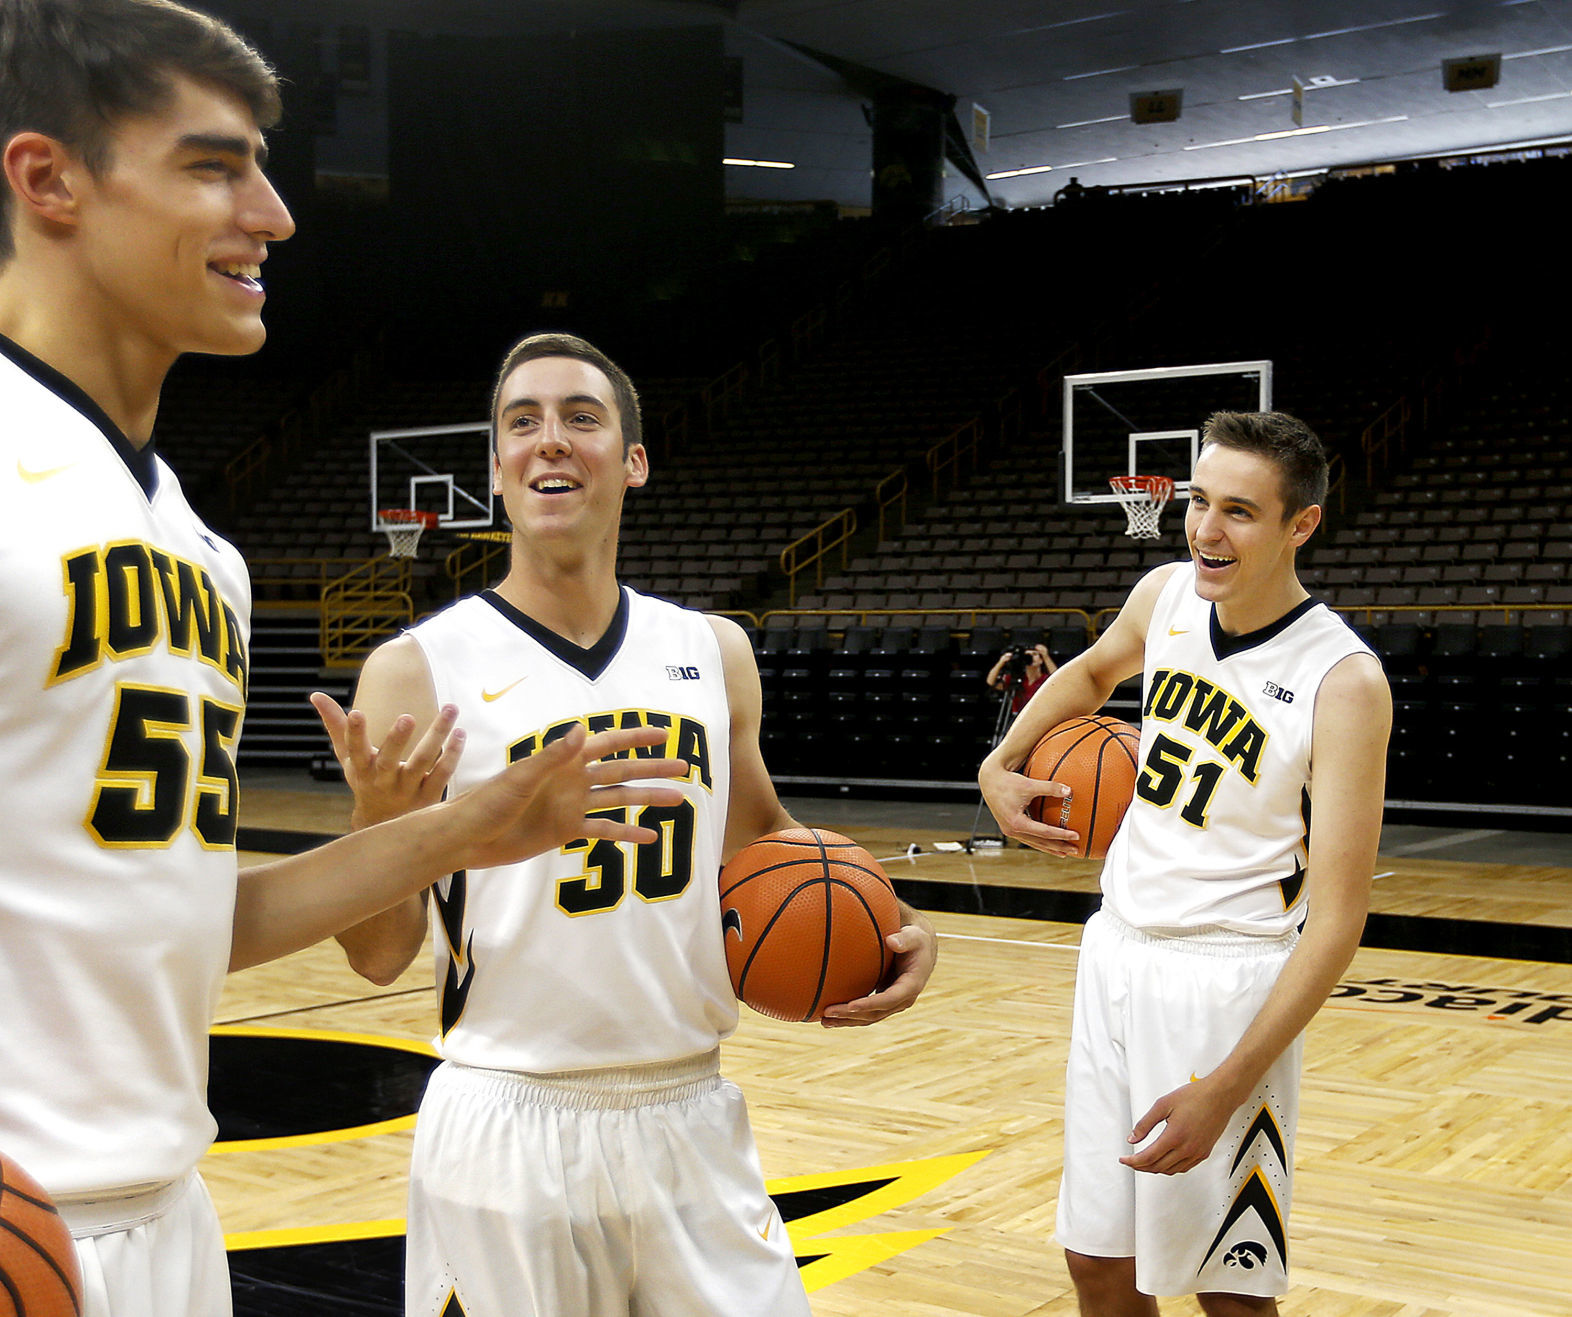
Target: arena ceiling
point(1056, 79)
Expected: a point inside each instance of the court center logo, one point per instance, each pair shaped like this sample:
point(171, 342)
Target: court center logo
point(364, 1086)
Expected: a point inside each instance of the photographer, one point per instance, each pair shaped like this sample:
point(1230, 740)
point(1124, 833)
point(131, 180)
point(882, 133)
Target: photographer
point(1021, 669)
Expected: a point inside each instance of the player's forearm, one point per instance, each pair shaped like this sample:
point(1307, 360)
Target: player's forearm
point(288, 904)
point(911, 915)
point(384, 946)
point(1323, 953)
point(1075, 689)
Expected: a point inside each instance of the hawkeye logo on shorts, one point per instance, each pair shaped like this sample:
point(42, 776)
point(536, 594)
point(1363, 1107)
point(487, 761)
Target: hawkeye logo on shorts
point(1263, 1156)
point(682, 674)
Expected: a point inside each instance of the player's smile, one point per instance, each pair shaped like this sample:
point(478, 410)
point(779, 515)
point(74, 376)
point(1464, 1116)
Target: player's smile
point(246, 275)
point(175, 230)
point(1242, 546)
point(560, 461)
point(553, 485)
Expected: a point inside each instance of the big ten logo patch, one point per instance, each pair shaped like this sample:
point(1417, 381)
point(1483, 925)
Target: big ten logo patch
point(1515, 1005)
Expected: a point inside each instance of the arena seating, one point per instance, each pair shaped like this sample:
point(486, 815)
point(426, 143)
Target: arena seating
point(1456, 563)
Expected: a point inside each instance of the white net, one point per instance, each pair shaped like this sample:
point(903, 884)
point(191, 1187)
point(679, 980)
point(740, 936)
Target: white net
point(404, 527)
point(1143, 499)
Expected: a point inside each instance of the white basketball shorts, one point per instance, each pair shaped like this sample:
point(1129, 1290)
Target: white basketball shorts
point(605, 1193)
point(1152, 1013)
point(157, 1254)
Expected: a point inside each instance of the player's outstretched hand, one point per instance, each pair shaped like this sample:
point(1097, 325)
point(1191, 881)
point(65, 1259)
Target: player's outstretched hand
point(916, 948)
point(542, 802)
point(1008, 794)
point(1193, 1119)
point(392, 778)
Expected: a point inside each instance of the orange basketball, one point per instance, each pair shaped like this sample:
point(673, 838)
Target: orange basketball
point(39, 1276)
point(1098, 759)
point(805, 913)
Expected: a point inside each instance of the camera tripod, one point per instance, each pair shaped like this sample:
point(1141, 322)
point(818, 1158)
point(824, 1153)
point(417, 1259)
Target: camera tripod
point(1001, 724)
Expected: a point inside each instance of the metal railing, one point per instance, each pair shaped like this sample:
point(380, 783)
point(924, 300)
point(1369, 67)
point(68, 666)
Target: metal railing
point(474, 563)
point(1388, 432)
point(811, 549)
point(972, 614)
point(1368, 612)
point(887, 494)
point(361, 607)
point(305, 578)
point(962, 444)
point(722, 393)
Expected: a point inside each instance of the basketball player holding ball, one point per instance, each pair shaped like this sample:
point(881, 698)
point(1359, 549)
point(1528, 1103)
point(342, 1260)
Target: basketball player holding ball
point(577, 1150)
point(1230, 907)
point(134, 221)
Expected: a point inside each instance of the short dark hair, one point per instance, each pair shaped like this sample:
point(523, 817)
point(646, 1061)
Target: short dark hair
point(1285, 440)
point(570, 345)
point(71, 69)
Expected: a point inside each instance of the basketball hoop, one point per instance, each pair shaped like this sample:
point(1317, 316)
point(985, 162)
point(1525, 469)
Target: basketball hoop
point(404, 527)
point(1144, 498)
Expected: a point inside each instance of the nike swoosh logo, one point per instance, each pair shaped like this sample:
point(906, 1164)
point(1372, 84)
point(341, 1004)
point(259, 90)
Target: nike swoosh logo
point(38, 477)
point(765, 1232)
point(1178, 631)
point(489, 696)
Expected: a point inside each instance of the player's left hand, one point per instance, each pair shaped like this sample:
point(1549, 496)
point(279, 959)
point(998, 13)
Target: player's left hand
point(1193, 1119)
point(916, 948)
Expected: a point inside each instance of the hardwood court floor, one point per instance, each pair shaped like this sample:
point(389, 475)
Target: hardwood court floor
point(922, 1156)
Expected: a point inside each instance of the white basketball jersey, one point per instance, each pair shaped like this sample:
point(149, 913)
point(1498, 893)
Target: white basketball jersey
point(123, 632)
point(598, 954)
point(1218, 833)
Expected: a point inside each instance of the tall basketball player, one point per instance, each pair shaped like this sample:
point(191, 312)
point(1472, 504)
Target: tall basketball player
point(577, 1150)
point(1230, 907)
point(134, 223)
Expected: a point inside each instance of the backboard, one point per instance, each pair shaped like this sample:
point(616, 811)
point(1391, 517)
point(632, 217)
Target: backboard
point(1148, 422)
point(441, 469)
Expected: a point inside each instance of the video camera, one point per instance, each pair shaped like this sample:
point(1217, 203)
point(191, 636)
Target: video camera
point(1016, 660)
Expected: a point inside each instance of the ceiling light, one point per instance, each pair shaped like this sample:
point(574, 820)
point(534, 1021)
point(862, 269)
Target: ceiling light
point(1546, 50)
point(759, 164)
point(1045, 169)
point(1259, 45)
point(1086, 123)
point(1297, 132)
point(1528, 100)
point(1333, 32)
point(1292, 132)
point(1101, 73)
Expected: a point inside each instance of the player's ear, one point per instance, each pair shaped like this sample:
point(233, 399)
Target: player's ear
point(637, 465)
point(1305, 523)
point(43, 175)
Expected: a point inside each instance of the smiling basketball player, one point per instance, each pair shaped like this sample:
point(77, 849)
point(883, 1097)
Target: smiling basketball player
point(578, 1151)
point(1195, 979)
point(134, 224)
